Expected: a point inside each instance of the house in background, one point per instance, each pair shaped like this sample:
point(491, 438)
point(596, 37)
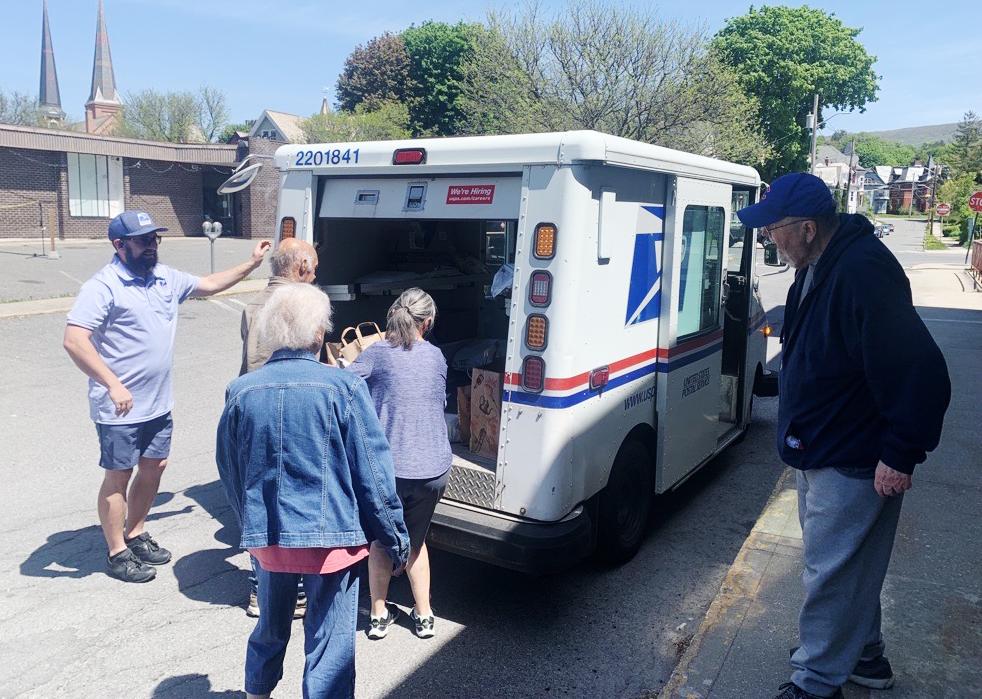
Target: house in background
point(277, 126)
point(875, 188)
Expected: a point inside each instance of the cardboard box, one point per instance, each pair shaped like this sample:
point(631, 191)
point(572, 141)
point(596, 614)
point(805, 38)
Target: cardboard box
point(464, 413)
point(485, 411)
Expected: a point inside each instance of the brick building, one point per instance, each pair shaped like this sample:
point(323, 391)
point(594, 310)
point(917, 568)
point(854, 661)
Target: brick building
point(72, 182)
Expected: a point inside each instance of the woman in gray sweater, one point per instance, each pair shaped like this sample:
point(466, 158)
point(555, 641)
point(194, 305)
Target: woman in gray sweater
point(407, 379)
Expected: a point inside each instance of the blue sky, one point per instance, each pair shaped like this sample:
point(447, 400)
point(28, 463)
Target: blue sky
point(283, 55)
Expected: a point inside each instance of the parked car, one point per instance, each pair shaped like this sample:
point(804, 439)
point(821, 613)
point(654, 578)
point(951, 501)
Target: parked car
point(878, 230)
point(888, 228)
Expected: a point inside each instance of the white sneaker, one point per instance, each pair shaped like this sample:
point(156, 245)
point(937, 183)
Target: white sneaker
point(379, 627)
point(424, 625)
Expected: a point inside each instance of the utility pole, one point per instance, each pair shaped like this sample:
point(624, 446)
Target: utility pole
point(814, 132)
point(852, 153)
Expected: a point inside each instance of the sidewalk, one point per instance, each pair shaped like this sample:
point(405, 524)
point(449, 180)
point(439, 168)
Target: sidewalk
point(932, 597)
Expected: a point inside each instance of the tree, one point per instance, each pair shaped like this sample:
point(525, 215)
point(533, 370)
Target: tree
point(956, 191)
point(437, 54)
point(231, 129)
point(388, 122)
point(20, 109)
point(873, 151)
point(375, 73)
point(782, 56)
point(600, 66)
point(966, 146)
point(177, 117)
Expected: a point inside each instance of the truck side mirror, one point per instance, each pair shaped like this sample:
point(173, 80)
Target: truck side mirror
point(770, 255)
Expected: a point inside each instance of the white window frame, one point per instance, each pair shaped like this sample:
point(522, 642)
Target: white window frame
point(95, 185)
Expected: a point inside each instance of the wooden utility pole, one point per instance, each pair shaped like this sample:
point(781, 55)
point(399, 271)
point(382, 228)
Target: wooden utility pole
point(814, 132)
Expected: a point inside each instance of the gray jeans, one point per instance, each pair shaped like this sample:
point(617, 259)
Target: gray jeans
point(848, 533)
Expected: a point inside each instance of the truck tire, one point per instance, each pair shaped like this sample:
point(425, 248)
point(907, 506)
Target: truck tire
point(625, 505)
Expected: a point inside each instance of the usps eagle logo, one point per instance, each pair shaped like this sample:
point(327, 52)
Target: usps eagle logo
point(644, 292)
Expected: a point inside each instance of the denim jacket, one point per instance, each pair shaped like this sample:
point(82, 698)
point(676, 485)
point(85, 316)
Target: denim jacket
point(304, 460)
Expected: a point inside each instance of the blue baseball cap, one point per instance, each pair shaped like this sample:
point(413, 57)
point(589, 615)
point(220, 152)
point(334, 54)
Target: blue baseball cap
point(130, 223)
point(797, 194)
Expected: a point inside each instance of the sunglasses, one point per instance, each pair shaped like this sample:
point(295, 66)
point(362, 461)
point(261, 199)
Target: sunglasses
point(147, 240)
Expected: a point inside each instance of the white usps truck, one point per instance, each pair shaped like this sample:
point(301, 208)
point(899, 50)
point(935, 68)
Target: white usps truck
point(607, 281)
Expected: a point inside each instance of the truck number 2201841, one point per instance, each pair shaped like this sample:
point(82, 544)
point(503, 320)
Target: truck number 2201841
point(327, 157)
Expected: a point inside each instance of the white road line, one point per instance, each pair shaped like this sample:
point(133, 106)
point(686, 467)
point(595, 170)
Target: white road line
point(227, 308)
point(951, 320)
point(77, 281)
point(236, 302)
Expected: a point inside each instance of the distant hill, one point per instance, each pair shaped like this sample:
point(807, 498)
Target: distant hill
point(916, 135)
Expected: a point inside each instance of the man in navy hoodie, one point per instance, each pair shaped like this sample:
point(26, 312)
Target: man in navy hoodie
point(863, 393)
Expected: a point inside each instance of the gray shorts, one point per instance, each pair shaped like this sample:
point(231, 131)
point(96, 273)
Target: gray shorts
point(121, 446)
point(419, 497)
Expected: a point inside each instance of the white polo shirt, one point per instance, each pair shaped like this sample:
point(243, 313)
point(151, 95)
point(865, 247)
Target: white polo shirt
point(133, 322)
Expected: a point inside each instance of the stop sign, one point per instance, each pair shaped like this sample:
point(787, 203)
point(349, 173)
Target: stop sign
point(975, 202)
point(944, 209)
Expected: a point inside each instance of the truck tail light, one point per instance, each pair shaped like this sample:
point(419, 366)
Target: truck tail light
point(540, 289)
point(545, 241)
point(288, 227)
point(536, 332)
point(534, 374)
point(409, 156)
point(599, 378)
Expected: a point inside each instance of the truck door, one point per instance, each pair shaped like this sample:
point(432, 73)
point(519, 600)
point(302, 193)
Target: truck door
point(689, 424)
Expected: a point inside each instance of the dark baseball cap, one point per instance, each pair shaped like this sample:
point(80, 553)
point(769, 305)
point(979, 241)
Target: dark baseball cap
point(797, 194)
point(131, 223)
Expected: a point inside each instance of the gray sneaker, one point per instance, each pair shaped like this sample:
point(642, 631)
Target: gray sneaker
point(127, 567)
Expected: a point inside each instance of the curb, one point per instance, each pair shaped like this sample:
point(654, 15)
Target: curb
point(63, 304)
point(775, 533)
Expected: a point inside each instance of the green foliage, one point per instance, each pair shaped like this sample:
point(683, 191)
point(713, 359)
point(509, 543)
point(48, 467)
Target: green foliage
point(966, 147)
point(872, 151)
point(437, 53)
point(595, 65)
point(230, 129)
point(389, 121)
point(20, 110)
point(176, 117)
point(375, 73)
point(933, 243)
point(782, 57)
point(956, 192)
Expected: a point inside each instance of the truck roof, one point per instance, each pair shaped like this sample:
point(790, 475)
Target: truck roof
point(508, 154)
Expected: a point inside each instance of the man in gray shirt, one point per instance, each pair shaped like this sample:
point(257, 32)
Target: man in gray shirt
point(120, 332)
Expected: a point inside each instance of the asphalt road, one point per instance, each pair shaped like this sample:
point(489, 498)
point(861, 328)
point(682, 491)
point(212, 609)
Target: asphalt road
point(67, 630)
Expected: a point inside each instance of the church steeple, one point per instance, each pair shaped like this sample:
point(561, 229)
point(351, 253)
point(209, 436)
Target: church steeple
point(49, 97)
point(104, 103)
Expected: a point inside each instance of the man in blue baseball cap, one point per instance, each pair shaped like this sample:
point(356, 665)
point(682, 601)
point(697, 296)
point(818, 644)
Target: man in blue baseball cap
point(863, 393)
point(120, 332)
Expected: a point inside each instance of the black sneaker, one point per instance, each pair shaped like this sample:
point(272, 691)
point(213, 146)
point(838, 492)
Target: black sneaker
point(424, 625)
point(789, 690)
point(148, 550)
point(874, 674)
point(379, 627)
point(127, 567)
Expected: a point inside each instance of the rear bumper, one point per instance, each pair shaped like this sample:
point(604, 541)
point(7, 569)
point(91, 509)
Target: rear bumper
point(525, 546)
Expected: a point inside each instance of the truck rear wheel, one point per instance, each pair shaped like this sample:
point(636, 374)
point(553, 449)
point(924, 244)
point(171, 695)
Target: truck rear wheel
point(625, 505)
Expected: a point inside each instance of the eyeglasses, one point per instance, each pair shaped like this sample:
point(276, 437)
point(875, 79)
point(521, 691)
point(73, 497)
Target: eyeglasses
point(767, 230)
point(148, 239)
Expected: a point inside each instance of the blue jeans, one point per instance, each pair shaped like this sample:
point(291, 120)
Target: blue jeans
point(328, 628)
point(254, 584)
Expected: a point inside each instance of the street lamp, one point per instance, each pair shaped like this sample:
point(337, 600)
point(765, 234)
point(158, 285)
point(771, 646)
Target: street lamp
point(212, 231)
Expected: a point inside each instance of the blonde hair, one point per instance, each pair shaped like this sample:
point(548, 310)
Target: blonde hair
point(296, 316)
point(407, 316)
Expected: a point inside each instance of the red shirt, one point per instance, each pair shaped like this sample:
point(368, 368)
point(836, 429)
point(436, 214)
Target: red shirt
point(320, 561)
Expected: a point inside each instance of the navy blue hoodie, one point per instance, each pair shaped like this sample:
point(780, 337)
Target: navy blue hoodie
point(862, 380)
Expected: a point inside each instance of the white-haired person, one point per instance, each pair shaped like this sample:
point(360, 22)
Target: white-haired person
point(407, 378)
point(308, 472)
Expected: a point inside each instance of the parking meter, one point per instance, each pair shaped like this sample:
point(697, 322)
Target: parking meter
point(212, 230)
